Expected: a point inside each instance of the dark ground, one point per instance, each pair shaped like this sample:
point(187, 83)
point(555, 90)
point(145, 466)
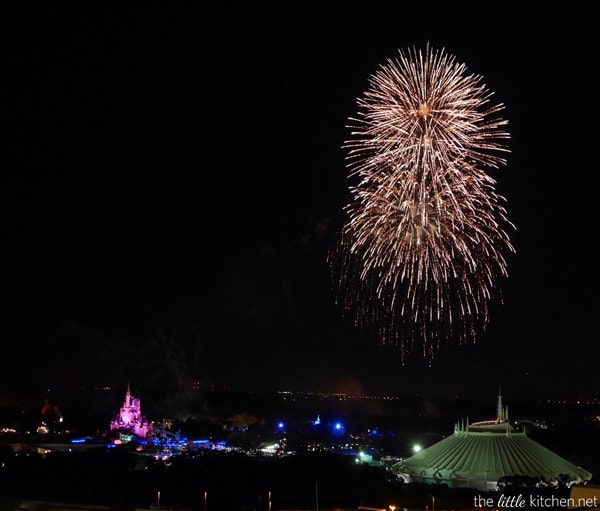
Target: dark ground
point(231, 482)
point(236, 481)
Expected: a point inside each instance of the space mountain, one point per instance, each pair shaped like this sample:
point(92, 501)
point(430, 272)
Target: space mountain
point(482, 455)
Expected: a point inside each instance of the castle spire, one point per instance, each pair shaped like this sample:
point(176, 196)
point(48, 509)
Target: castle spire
point(128, 394)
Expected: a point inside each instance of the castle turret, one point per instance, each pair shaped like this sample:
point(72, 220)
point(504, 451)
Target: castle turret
point(130, 418)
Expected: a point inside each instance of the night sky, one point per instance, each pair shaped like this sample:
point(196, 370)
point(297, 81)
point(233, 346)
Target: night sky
point(173, 178)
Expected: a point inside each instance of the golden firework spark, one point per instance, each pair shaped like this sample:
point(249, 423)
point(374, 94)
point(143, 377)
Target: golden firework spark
point(421, 253)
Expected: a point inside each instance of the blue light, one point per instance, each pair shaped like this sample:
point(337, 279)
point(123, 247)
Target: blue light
point(375, 432)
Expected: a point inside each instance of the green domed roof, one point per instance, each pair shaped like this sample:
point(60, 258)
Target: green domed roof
point(480, 454)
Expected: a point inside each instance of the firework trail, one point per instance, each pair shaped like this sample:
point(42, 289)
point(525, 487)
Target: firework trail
point(421, 253)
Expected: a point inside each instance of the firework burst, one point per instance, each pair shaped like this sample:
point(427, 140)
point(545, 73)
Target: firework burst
point(421, 254)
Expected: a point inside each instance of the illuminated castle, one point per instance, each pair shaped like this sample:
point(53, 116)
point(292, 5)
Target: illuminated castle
point(130, 417)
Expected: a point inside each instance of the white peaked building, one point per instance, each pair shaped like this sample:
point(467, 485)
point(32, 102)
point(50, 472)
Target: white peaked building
point(130, 418)
point(479, 454)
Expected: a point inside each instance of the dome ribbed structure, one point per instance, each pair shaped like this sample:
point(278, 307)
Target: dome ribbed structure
point(479, 454)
